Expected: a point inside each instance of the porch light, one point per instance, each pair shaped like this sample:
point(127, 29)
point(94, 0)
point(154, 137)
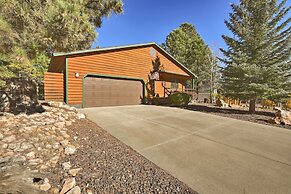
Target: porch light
point(77, 74)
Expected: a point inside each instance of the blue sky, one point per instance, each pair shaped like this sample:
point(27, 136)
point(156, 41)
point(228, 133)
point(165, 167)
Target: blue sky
point(152, 20)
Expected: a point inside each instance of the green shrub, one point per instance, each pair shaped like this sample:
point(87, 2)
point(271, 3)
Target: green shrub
point(179, 99)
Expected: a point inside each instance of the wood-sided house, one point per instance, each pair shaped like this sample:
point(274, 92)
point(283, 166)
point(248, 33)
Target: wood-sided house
point(112, 76)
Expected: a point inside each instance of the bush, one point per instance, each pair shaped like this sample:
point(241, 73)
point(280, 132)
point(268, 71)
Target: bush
point(288, 104)
point(179, 99)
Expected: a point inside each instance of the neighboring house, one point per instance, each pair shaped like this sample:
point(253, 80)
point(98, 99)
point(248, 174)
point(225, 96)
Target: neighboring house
point(113, 76)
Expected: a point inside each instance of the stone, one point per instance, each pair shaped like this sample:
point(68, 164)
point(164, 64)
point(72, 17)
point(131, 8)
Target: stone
point(68, 123)
point(54, 160)
point(14, 146)
point(69, 184)
point(18, 159)
point(9, 139)
point(54, 190)
point(1, 136)
point(25, 146)
point(4, 145)
point(43, 166)
point(60, 124)
point(66, 165)
point(30, 155)
point(48, 146)
point(89, 192)
point(34, 162)
point(64, 134)
point(74, 171)
point(45, 187)
point(81, 116)
point(70, 150)
point(282, 116)
point(64, 143)
point(75, 190)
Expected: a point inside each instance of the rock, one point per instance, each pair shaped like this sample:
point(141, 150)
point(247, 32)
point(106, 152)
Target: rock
point(45, 187)
point(54, 190)
point(89, 192)
point(70, 150)
point(69, 184)
point(75, 190)
point(30, 155)
point(14, 146)
point(66, 165)
point(18, 159)
point(1, 136)
point(34, 162)
point(68, 123)
point(282, 117)
point(54, 160)
point(9, 139)
point(221, 103)
point(64, 134)
point(81, 116)
point(74, 171)
point(64, 143)
point(48, 146)
point(25, 146)
point(4, 146)
point(60, 124)
point(43, 166)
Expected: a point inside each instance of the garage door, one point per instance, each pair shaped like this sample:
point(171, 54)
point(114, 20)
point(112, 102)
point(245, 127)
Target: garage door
point(111, 92)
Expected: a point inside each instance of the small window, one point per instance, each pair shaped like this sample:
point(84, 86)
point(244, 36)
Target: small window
point(174, 84)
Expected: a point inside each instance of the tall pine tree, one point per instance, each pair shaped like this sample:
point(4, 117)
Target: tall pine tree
point(258, 55)
point(187, 46)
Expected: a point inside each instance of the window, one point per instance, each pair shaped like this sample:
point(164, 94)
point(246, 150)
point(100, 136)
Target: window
point(174, 84)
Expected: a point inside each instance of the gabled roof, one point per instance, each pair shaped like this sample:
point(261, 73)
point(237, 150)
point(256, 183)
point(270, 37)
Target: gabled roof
point(125, 47)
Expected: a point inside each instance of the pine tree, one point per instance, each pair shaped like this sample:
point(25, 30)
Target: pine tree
point(33, 30)
point(258, 55)
point(187, 46)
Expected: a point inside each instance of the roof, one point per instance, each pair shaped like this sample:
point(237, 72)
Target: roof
point(124, 47)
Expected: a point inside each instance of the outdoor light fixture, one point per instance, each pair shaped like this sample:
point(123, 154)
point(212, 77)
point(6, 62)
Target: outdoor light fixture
point(77, 74)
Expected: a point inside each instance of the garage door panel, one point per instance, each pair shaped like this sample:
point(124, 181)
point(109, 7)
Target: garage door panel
point(111, 92)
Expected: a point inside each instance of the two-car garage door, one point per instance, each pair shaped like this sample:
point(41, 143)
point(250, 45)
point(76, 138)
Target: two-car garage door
point(111, 92)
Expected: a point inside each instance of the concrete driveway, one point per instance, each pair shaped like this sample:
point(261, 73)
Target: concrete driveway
point(211, 154)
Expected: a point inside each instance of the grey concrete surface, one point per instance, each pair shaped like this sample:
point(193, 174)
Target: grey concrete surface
point(211, 154)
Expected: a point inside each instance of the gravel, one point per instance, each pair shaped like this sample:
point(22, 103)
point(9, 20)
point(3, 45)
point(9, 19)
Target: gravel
point(261, 116)
point(109, 166)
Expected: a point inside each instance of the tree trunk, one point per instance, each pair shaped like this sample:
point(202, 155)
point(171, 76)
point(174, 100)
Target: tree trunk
point(197, 89)
point(252, 107)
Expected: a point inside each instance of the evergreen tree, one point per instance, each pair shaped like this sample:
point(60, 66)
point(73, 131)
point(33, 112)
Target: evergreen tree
point(41, 27)
point(258, 55)
point(187, 46)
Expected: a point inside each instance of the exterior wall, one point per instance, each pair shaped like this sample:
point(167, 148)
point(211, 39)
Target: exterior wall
point(133, 62)
point(54, 86)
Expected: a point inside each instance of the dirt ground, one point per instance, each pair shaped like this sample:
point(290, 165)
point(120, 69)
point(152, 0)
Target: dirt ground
point(261, 116)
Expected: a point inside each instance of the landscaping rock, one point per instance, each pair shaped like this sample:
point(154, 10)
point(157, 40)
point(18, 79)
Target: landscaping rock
point(74, 171)
point(282, 117)
point(45, 187)
point(69, 184)
point(75, 190)
point(81, 116)
point(9, 139)
point(70, 150)
point(66, 165)
point(54, 191)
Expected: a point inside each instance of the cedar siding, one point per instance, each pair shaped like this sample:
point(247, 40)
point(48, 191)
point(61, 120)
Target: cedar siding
point(135, 62)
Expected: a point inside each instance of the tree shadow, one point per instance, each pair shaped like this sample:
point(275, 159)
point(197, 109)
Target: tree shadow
point(20, 96)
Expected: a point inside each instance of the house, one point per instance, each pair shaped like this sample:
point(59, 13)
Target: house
point(112, 76)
